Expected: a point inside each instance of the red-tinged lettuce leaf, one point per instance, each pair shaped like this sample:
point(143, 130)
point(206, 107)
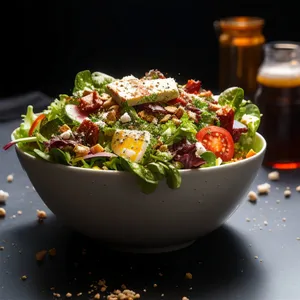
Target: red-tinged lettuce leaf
point(185, 153)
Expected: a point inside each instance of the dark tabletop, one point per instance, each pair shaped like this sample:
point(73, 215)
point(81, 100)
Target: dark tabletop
point(244, 259)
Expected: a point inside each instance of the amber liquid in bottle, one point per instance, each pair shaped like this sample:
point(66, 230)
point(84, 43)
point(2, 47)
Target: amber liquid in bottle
point(278, 97)
point(240, 53)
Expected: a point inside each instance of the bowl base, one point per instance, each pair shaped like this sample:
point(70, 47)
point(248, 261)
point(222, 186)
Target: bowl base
point(144, 250)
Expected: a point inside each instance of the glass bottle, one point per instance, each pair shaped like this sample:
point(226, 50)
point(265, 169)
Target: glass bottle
point(278, 97)
point(240, 52)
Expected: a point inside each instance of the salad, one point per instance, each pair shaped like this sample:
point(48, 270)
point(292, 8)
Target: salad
point(150, 126)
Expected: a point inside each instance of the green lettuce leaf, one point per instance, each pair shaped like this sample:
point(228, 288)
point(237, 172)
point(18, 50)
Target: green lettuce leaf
point(172, 134)
point(232, 97)
point(85, 80)
point(28, 119)
point(57, 108)
point(210, 159)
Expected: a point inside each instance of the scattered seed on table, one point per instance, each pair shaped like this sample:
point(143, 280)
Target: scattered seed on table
point(19, 212)
point(52, 252)
point(2, 212)
point(298, 188)
point(248, 219)
point(298, 238)
point(264, 188)
point(24, 277)
point(39, 256)
point(1, 248)
point(283, 219)
point(287, 193)
point(79, 294)
point(273, 176)
point(256, 257)
point(277, 201)
point(265, 223)
point(68, 295)
point(252, 196)
point(185, 298)
point(97, 296)
point(3, 196)
point(56, 295)
point(41, 215)
point(188, 275)
point(10, 178)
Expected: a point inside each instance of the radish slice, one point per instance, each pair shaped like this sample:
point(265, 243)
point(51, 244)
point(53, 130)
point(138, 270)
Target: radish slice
point(74, 113)
point(99, 154)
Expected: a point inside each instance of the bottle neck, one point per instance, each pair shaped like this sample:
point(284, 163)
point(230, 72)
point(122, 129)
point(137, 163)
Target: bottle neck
point(282, 53)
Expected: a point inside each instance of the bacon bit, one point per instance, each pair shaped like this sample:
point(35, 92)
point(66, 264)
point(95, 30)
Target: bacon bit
point(226, 117)
point(250, 153)
point(90, 102)
point(39, 256)
point(192, 86)
point(64, 128)
point(178, 100)
point(206, 94)
point(90, 131)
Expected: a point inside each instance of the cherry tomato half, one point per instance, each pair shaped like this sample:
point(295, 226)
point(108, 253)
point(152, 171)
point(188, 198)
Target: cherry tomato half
point(36, 123)
point(217, 140)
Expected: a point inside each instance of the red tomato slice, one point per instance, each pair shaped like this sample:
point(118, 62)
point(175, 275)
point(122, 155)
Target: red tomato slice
point(177, 100)
point(217, 140)
point(36, 123)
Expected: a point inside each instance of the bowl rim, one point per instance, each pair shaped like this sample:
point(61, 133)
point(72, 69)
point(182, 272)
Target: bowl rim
point(234, 164)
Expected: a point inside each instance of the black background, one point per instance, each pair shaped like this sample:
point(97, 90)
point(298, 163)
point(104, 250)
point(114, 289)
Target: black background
point(45, 43)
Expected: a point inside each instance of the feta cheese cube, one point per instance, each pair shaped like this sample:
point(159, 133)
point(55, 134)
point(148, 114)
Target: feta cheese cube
point(125, 118)
point(137, 91)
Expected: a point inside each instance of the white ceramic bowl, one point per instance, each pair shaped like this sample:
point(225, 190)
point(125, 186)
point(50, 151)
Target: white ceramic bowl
point(108, 205)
